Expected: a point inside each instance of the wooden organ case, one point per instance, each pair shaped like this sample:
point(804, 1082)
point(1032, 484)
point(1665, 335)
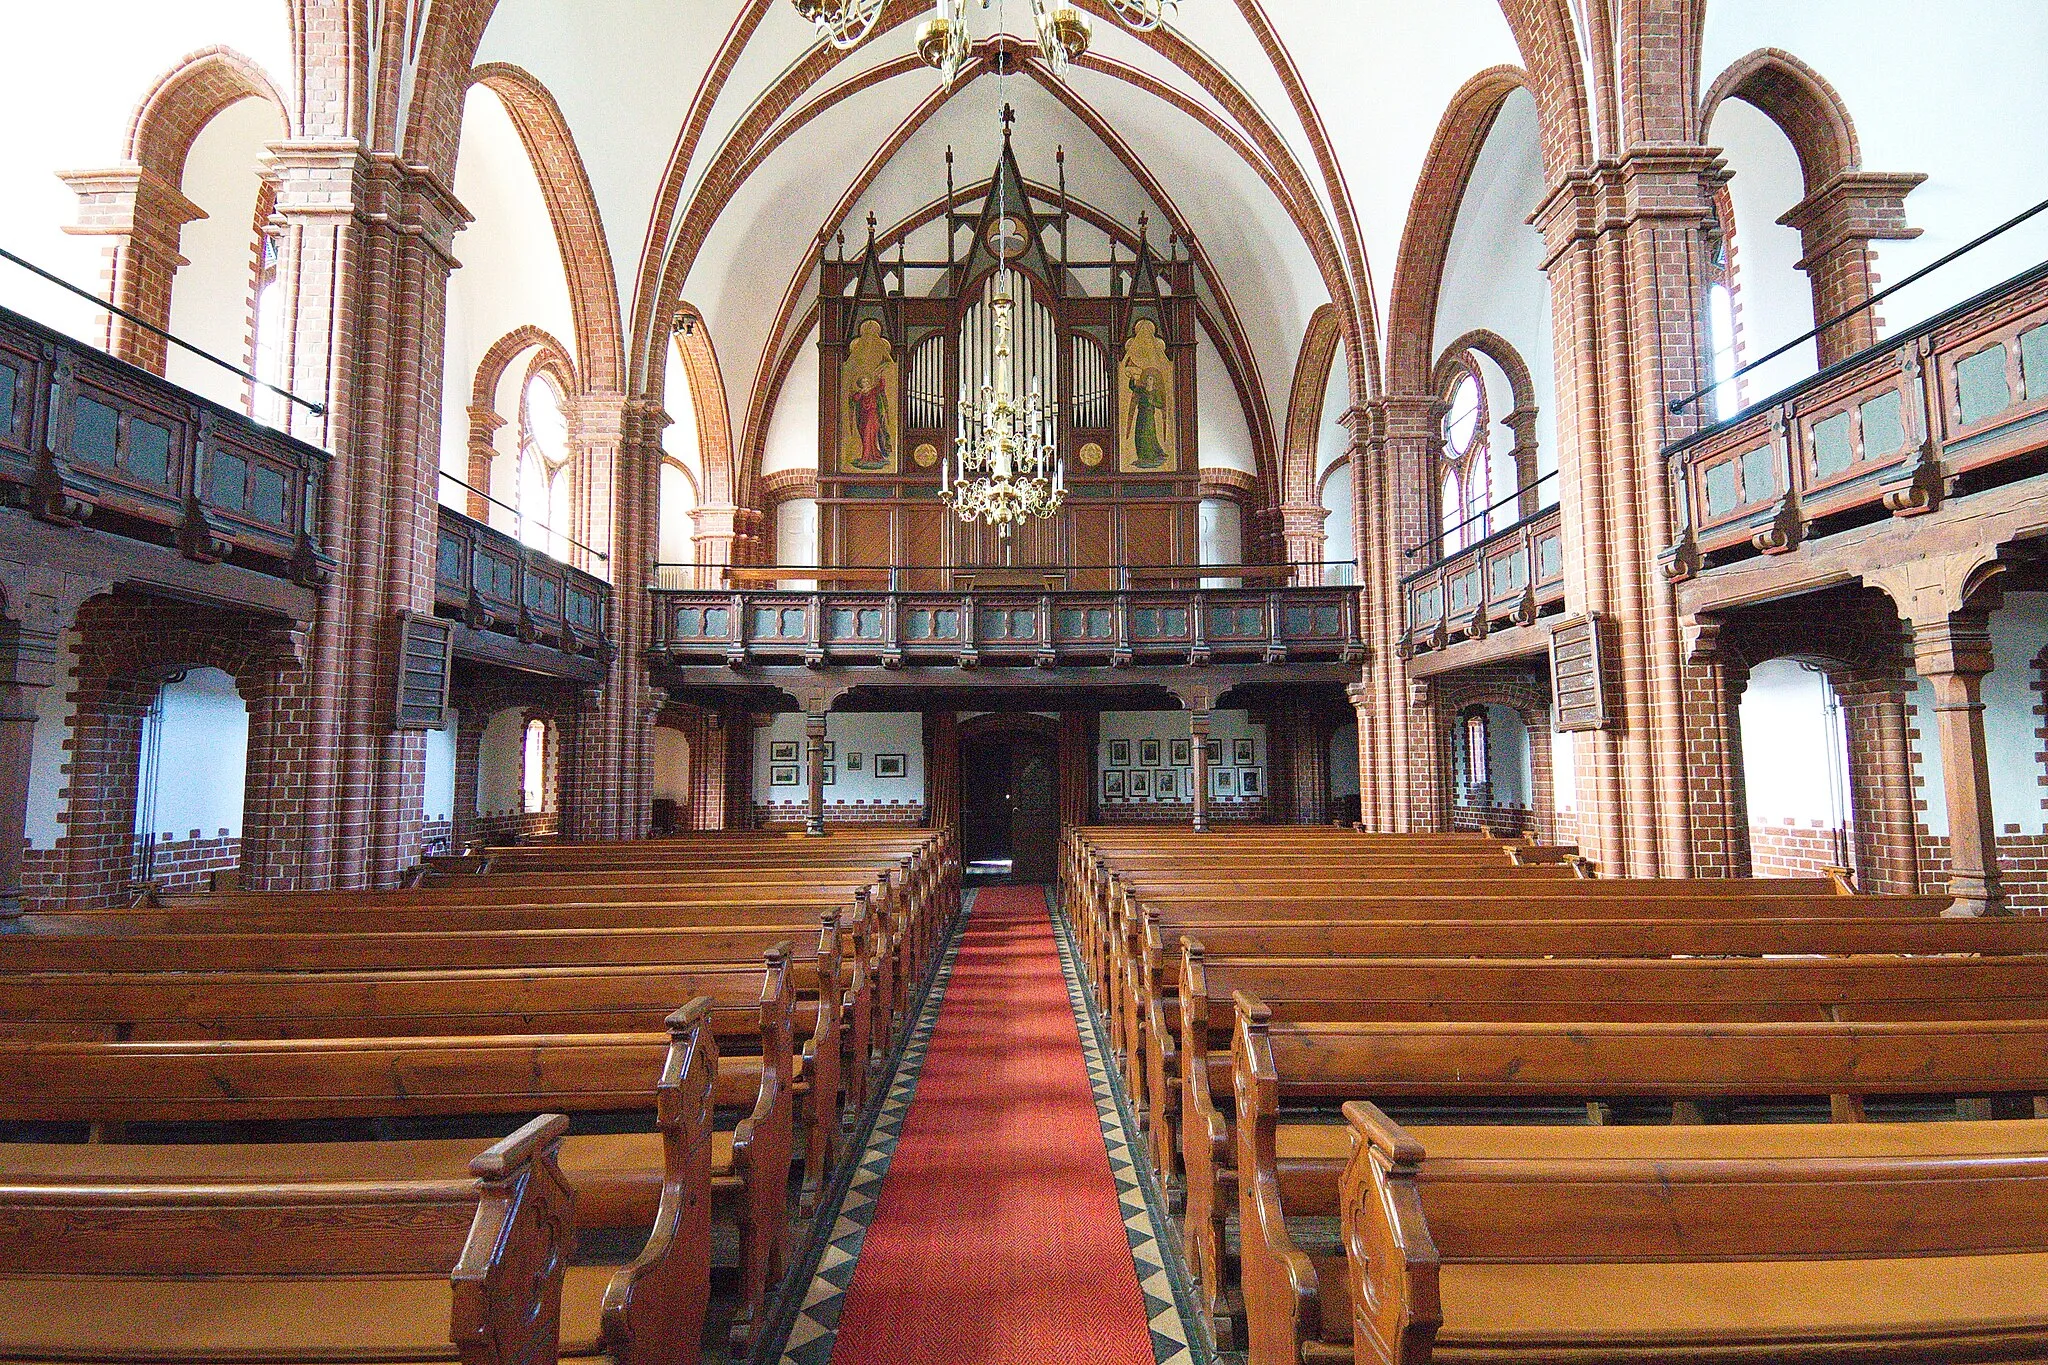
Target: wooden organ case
point(1112, 340)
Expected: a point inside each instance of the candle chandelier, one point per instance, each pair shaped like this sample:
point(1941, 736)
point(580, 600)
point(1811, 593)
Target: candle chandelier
point(1005, 463)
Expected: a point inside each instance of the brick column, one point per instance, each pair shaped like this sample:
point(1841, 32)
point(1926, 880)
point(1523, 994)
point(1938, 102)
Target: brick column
point(1714, 677)
point(1836, 225)
point(740, 725)
point(1623, 251)
point(709, 765)
point(142, 216)
point(483, 451)
point(1394, 442)
point(279, 696)
point(942, 769)
point(1077, 768)
point(1953, 652)
point(1302, 538)
point(1880, 783)
point(1308, 767)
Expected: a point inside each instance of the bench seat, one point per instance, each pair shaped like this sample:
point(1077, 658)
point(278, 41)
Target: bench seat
point(615, 1177)
point(340, 1318)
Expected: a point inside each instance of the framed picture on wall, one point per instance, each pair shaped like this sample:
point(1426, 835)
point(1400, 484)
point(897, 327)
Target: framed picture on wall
point(1112, 785)
point(831, 771)
point(1222, 781)
point(1180, 753)
point(1140, 785)
point(1148, 753)
point(1249, 781)
point(785, 751)
point(890, 765)
point(782, 775)
point(1214, 749)
point(1119, 753)
point(1242, 754)
point(1164, 787)
point(1187, 784)
point(852, 761)
point(831, 754)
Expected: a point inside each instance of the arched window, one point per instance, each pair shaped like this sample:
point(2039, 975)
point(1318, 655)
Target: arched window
point(534, 768)
point(1466, 490)
point(543, 467)
point(1720, 319)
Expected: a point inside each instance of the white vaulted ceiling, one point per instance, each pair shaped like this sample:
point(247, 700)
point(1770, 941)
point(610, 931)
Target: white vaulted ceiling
point(656, 92)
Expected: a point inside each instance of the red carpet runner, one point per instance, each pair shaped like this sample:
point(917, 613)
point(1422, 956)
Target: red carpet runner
point(997, 1239)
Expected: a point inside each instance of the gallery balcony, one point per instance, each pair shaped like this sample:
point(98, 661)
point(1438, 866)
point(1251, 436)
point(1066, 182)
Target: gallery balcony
point(180, 492)
point(1511, 578)
point(518, 605)
point(1953, 407)
point(1019, 621)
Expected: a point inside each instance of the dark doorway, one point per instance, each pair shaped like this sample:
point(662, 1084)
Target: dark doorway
point(1009, 806)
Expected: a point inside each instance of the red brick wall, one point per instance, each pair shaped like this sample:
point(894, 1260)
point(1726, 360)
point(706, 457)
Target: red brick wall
point(189, 864)
point(784, 814)
point(1786, 848)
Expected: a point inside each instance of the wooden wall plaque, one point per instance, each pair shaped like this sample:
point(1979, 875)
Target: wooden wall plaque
point(1578, 676)
point(426, 657)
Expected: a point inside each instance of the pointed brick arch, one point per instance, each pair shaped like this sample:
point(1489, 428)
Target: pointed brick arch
point(1844, 208)
point(140, 207)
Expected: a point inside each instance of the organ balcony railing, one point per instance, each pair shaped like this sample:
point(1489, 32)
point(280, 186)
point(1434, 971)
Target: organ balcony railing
point(1007, 626)
point(1956, 404)
point(1511, 577)
point(89, 440)
point(493, 582)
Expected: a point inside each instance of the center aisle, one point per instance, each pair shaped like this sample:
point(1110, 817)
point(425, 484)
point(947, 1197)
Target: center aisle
point(998, 1236)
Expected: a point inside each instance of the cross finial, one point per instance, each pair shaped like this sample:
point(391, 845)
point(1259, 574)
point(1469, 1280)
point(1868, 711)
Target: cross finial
point(1009, 117)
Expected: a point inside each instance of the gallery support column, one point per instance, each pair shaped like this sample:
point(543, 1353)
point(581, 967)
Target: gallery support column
point(1198, 753)
point(28, 664)
point(814, 763)
point(1953, 652)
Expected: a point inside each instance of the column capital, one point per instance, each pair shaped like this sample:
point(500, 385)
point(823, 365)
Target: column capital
point(1853, 206)
point(133, 202)
point(1955, 644)
point(1672, 182)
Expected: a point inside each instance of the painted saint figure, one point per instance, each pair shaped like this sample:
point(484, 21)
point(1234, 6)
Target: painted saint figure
point(869, 435)
point(1145, 435)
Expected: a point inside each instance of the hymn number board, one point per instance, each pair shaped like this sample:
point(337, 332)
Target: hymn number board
point(1110, 338)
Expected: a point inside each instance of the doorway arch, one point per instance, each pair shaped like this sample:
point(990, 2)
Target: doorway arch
point(1010, 794)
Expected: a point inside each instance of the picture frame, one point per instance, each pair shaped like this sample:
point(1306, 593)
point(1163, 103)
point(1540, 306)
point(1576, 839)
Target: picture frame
point(1243, 753)
point(1214, 749)
point(1119, 753)
point(891, 765)
point(853, 761)
point(785, 751)
point(831, 753)
point(1180, 753)
point(1140, 784)
point(831, 771)
point(1165, 786)
point(1250, 782)
point(1223, 782)
point(1113, 785)
point(1187, 784)
point(1148, 753)
point(782, 775)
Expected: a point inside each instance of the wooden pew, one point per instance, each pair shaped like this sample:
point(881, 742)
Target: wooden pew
point(344, 1252)
point(618, 1179)
point(180, 1006)
point(1920, 1243)
point(1154, 995)
point(1563, 991)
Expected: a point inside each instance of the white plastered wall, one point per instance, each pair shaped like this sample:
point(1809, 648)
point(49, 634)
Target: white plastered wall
point(1794, 765)
point(1773, 297)
point(671, 765)
point(501, 764)
point(1224, 438)
point(439, 801)
point(48, 804)
point(866, 733)
point(2019, 632)
point(201, 735)
point(1135, 727)
point(511, 274)
point(1493, 272)
point(211, 294)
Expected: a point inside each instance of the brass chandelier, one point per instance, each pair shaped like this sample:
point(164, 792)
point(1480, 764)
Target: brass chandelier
point(1005, 464)
point(1064, 29)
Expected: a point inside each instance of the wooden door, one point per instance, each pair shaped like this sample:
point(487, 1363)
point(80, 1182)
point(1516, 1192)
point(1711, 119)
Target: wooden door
point(1034, 809)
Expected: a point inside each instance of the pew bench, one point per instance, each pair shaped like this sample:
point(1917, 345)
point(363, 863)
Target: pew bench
point(617, 1179)
point(1801, 1242)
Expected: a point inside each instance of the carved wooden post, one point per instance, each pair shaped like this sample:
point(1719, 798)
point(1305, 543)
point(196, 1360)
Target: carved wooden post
point(1198, 736)
point(814, 760)
point(1953, 652)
